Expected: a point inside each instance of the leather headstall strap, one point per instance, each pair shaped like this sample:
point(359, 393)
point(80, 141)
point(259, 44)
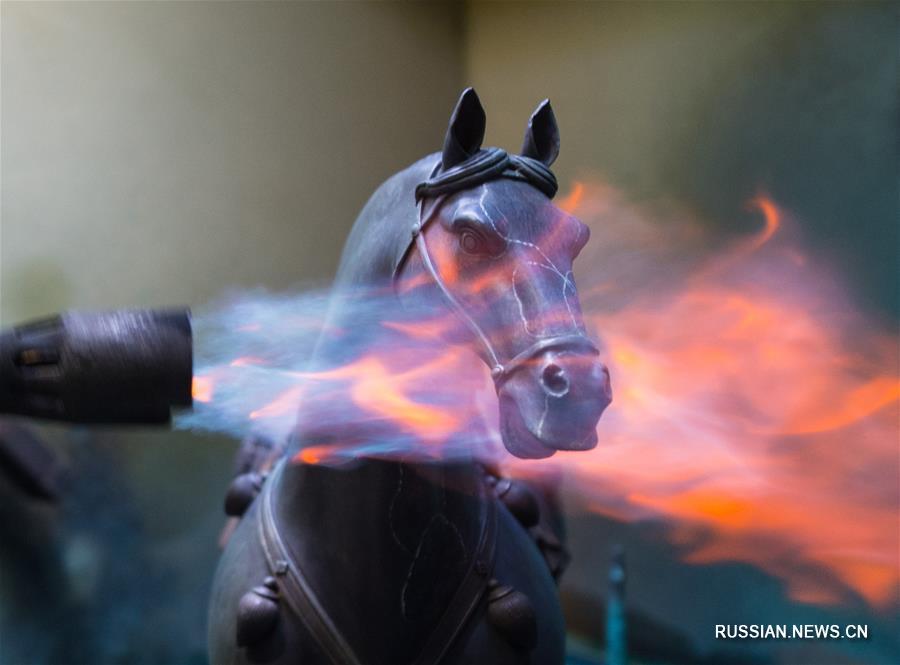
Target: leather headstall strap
point(470, 591)
point(293, 585)
point(500, 372)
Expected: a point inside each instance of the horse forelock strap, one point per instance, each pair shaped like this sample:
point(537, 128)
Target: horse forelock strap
point(293, 586)
point(535, 173)
point(486, 165)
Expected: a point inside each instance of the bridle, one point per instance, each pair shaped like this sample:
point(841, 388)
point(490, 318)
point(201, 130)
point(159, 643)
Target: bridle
point(486, 165)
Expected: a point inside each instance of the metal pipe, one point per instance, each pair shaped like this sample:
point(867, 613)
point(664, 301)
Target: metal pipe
point(124, 366)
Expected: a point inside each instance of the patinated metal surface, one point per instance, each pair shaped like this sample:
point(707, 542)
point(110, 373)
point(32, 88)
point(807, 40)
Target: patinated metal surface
point(393, 562)
point(125, 366)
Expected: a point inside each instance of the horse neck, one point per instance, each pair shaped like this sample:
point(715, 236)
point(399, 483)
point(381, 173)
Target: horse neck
point(394, 539)
point(375, 500)
point(328, 500)
point(372, 483)
point(375, 505)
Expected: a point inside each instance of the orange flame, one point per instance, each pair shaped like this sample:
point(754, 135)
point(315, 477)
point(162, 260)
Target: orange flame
point(283, 405)
point(385, 393)
point(202, 389)
point(754, 411)
point(247, 361)
point(573, 199)
point(772, 218)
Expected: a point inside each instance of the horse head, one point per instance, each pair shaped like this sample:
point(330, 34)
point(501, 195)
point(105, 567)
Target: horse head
point(488, 244)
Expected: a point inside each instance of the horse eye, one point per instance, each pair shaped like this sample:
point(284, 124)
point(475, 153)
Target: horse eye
point(471, 242)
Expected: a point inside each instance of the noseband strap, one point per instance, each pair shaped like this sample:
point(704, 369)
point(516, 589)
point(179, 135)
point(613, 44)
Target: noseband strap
point(573, 342)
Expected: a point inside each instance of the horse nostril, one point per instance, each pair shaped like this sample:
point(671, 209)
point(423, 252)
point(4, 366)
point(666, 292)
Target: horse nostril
point(554, 380)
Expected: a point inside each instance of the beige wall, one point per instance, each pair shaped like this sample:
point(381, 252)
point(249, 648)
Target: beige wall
point(161, 152)
point(707, 103)
point(632, 84)
point(158, 153)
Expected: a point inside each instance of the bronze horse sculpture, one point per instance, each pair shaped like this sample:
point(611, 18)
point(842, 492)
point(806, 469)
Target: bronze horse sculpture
point(391, 561)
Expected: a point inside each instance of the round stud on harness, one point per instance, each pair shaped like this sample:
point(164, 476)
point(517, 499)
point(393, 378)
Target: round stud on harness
point(512, 614)
point(519, 500)
point(257, 613)
point(241, 493)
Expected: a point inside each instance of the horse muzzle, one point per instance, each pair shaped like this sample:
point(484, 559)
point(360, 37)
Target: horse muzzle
point(552, 398)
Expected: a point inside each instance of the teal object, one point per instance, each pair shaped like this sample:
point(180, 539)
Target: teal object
point(616, 648)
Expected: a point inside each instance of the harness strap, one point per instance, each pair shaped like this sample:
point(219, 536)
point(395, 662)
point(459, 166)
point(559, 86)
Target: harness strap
point(470, 592)
point(454, 304)
point(304, 603)
point(500, 372)
point(293, 585)
point(485, 165)
point(574, 341)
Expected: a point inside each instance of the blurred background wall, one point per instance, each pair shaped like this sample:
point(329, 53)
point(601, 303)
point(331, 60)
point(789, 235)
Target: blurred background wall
point(709, 103)
point(160, 153)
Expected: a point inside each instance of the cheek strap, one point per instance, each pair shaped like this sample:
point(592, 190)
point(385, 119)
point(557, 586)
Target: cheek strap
point(499, 372)
point(454, 304)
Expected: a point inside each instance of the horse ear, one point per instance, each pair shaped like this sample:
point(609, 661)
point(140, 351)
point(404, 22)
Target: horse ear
point(542, 136)
point(466, 130)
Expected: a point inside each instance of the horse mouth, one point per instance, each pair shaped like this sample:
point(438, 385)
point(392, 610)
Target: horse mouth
point(553, 406)
point(520, 439)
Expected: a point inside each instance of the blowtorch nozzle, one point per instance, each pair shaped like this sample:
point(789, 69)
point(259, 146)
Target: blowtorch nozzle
point(125, 366)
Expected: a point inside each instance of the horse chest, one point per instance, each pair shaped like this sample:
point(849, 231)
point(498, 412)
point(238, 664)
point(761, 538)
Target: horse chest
point(391, 581)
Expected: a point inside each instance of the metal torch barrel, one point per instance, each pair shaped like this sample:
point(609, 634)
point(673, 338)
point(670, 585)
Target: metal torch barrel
point(123, 366)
